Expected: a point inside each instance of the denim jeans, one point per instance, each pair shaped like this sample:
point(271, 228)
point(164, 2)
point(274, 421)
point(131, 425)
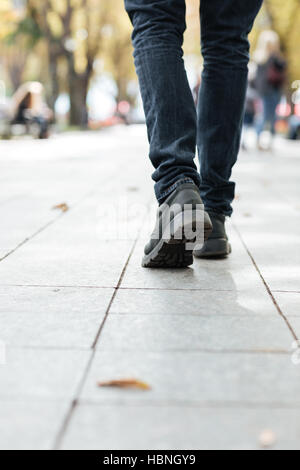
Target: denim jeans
point(174, 126)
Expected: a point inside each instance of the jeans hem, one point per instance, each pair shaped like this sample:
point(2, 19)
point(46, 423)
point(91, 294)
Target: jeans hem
point(227, 213)
point(172, 188)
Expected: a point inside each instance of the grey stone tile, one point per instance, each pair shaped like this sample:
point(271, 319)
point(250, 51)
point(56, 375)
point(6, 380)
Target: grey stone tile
point(69, 253)
point(36, 177)
point(212, 274)
point(77, 241)
point(176, 428)
point(234, 273)
point(195, 377)
point(30, 426)
point(289, 302)
point(191, 332)
point(52, 317)
point(285, 278)
point(193, 302)
point(272, 235)
point(21, 217)
point(40, 374)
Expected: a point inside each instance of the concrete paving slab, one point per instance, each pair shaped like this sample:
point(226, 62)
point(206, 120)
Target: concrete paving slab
point(190, 332)
point(52, 317)
point(181, 428)
point(192, 377)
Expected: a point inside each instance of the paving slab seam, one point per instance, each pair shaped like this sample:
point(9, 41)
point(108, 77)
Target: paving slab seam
point(26, 240)
point(266, 285)
point(46, 348)
point(48, 224)
point(190, 404)
point(186, 351)
point(75, 402)
point(52, 286)
point(201, 350)
point(186, 315)
point(286, 291)
point(170, 289)
point(71, 286)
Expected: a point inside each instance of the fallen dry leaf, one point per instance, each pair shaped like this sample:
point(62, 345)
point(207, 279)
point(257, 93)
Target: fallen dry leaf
point(125, 383)
point(267, 439)
point(62, 207)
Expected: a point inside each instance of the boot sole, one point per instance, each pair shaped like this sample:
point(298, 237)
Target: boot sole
point(214, 249)
point(172, 252)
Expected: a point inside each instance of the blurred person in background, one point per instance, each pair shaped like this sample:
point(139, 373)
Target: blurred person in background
point(294, 121)
point(294, 127)
point(250, 105)
point(29, 107)
point(174, 126)
point(269, 81)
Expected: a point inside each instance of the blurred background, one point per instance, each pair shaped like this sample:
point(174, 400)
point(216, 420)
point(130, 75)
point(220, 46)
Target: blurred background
point(68, 64)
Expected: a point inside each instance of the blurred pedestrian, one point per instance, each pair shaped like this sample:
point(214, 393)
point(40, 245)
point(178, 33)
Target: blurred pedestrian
point(29, 107)
point(250, 112)
point(270, 80)
point(250, 105)
point(294, 127)
point(174, 127)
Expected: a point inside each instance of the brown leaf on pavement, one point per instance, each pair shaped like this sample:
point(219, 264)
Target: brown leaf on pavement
point(62, 207)
point(125, 383)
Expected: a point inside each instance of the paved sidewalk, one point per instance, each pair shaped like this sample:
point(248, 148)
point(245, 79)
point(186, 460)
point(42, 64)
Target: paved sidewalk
point(214, 341)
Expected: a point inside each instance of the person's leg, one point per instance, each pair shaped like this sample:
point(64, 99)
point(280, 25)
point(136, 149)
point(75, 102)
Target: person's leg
point(274, 102)
point(224, 29)
point(43, 126)
point(262, 121)
point(172, 126)
point(168, 103)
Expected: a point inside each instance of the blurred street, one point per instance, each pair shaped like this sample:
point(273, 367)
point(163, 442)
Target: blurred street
point(216, 342)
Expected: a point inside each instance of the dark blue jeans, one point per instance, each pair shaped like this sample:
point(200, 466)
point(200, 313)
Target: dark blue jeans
point(174, 126)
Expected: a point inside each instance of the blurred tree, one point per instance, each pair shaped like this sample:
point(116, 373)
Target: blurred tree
point(14, 51)
point(15, 60)
point(73, 30)
point(60, 41)
point(192, 34)
point(284, 18)
point(8, 18)
point(117, 52)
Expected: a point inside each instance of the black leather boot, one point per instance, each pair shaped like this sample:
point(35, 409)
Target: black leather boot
point(181, 220)
point(217, 245)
